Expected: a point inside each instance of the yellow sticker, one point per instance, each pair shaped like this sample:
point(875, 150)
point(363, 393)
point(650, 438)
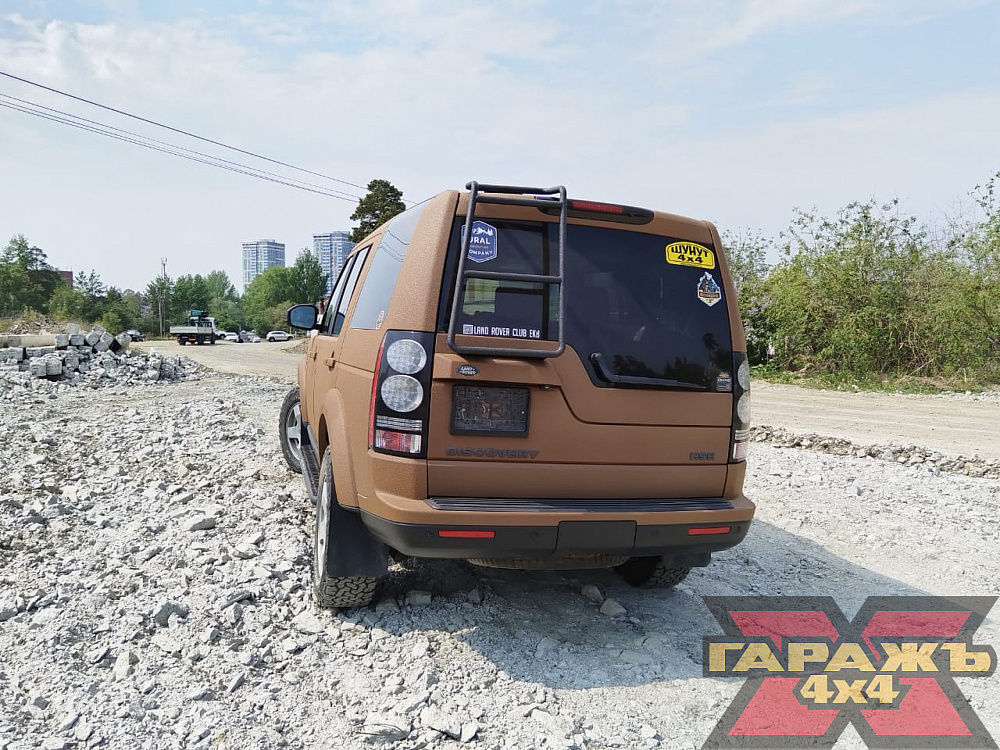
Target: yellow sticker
point(690, 254)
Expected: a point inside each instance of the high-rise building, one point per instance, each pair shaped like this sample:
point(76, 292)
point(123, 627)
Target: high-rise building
point(259, 256)
point(332, 250)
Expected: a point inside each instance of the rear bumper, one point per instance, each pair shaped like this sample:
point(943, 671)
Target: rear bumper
point(565, 539)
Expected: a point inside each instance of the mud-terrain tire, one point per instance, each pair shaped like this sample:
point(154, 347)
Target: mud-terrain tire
point(651, 573)
point(331, 591)
point(290, 430)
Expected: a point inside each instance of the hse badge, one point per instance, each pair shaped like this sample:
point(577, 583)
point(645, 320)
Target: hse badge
point(690, 254)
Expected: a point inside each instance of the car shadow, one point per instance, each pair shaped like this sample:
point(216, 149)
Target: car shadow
point(539, 627)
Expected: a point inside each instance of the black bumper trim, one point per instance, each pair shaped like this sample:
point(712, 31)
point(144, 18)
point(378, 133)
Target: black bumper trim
point(577, 505)
point(569, 538)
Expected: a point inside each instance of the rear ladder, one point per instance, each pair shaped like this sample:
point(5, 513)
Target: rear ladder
point(512, 196)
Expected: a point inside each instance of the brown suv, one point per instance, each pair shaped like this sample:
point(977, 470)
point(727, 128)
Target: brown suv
point(523, 380)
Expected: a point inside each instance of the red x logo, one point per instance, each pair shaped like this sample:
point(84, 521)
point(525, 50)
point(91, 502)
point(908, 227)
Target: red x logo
point(809, 672)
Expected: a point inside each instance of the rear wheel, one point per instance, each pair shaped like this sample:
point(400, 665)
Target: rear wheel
point(290, 430)
point(333, 591)
point(651, 573)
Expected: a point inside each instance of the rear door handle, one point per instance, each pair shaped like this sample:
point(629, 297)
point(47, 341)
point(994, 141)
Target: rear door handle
point(331, 361)
point(311, 355)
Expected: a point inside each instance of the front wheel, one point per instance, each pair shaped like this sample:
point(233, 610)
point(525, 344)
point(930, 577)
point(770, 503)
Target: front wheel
point(651, 573)
point(290, 430)
point(334, 591)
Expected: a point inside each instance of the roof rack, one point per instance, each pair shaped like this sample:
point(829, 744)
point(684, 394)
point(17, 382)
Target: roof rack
point(510, 195)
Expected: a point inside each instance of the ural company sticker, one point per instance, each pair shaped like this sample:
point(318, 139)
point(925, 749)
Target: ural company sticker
point(724, 382)
point(708, 291)
point(379, 320)
point(483, 242)
point(690, 254)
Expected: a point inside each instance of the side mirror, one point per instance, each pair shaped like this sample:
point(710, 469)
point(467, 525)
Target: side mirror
point(303, 316)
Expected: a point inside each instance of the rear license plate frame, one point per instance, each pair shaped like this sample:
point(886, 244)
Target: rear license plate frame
point(497, 411)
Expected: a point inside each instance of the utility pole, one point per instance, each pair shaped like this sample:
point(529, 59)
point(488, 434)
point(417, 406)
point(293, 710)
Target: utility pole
point(163, 284)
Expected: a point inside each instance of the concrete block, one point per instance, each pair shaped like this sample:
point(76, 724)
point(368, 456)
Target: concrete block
point(26, 340)
point(11, 354)
point(31, 352)
point(71, 360)
point(37, 368)
point(62, 340)
point(100, 346)
point(72, 328)
point(53, 365)
point(92, 338)
point(77, 339)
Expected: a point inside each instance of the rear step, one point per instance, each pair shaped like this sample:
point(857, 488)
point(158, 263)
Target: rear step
point(509, 195)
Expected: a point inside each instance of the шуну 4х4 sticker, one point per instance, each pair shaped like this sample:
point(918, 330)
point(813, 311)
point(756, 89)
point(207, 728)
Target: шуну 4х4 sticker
point(690, 254)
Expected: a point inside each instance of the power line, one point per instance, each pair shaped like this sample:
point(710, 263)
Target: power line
point(211, 161)
point(177, 130)
point(103, 129)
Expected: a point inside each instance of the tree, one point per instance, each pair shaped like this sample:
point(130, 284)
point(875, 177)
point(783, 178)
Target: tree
point(308, 279)
point(382, 202)
point(748, 268)
point(189, 293)
point(274, 288)
point(159, 293)
point(90, 284)
point(27, 281)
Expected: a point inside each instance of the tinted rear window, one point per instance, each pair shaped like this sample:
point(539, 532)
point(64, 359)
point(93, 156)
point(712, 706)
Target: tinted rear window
point(647, 316)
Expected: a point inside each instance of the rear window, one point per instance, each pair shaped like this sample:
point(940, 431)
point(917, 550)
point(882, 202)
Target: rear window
point(652, 307)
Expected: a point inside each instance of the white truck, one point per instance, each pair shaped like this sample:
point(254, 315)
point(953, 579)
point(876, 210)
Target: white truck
point(200, 329)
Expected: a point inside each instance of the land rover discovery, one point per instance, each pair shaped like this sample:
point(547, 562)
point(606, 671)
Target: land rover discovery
point(519, 379)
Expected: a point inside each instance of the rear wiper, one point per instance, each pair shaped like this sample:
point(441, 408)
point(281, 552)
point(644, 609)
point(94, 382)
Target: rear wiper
point(606, 375)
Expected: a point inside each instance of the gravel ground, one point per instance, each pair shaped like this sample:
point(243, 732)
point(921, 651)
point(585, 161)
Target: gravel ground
point(154, 569)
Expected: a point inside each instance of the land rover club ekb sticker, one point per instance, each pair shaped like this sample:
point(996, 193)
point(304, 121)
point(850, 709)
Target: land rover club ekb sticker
point(483, 242)
point(690, 254)
point(708, 291)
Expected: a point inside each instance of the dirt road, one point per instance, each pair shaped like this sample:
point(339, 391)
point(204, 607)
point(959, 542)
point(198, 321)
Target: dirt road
point(951, 424)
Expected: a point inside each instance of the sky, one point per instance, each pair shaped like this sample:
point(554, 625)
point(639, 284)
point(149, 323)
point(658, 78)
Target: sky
point(736, 111)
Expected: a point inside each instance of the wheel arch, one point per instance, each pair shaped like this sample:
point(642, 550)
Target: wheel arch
point(332, 432)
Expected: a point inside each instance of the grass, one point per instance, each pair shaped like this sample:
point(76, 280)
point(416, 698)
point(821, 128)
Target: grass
point(880, 383)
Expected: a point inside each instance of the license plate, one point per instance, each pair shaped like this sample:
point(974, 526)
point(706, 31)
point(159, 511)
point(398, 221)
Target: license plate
point(478, 410)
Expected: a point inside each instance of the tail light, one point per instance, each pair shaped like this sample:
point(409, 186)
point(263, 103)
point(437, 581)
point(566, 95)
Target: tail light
point(739, 445)
point(401, 394)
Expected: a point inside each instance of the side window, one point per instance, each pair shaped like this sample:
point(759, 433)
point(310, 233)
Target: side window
point(345, 298)
point(380, 283)
point(356, 260)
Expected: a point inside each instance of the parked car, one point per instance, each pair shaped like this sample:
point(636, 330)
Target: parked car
point(253, 340)
point(134, 334)
point(522, 380)
point(273, 336)
point(230, 336)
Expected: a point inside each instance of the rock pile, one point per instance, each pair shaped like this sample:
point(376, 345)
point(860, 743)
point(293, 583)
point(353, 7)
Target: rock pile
point(908, 455)
point(95, 358)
